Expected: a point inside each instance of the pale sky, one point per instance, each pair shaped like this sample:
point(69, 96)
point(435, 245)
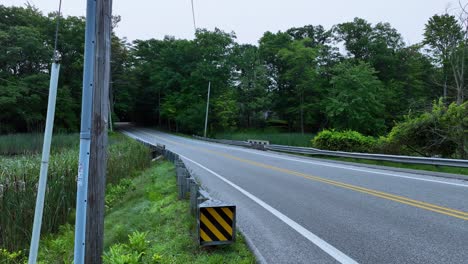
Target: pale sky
point(249, 19)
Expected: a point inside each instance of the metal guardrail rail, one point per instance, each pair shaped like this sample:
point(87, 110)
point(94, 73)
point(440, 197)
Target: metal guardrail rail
point(381, 157)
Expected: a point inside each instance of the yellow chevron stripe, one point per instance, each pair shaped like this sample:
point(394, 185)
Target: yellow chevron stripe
point(220, 220)
point(212, 228)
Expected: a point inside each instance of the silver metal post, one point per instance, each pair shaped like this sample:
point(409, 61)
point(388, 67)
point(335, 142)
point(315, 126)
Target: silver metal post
point(85, 134)
point(41, 189)
point(207, 108)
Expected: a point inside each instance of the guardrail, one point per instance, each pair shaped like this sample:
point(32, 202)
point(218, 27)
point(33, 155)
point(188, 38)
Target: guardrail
point(380, 157)
point(216, 220)
point(225, 141)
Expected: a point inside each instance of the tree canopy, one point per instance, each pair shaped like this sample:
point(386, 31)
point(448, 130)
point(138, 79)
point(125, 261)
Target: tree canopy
point(296, 80)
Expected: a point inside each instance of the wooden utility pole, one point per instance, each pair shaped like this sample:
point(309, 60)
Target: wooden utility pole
point(98, 155)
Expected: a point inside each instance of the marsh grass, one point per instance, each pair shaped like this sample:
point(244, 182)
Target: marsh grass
point(27, 144)
point(18, 180)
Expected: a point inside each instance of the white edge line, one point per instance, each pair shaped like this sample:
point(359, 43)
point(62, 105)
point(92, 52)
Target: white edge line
point(322, 244)
point(329, 249)
point(325, 164)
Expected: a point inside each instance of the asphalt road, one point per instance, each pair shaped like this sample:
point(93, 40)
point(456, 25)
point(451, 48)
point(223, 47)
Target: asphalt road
point(299, 210)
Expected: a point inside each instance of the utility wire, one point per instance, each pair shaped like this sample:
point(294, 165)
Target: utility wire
point(193, 16)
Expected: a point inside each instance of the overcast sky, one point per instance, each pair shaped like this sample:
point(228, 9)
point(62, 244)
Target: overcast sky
point(249, 19)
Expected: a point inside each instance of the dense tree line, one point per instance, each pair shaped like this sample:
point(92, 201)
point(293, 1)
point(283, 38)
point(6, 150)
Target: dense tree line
point(297, 80)
point(355, 75)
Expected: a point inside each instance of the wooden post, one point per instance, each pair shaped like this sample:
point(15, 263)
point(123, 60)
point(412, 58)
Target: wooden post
point(98, 156)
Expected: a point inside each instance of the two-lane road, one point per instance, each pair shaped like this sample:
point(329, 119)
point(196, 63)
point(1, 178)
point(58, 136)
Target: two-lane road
point(299, 210)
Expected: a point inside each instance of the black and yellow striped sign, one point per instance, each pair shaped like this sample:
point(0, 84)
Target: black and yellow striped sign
point(217, 225)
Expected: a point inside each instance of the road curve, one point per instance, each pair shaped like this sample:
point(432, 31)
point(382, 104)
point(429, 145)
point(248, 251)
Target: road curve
point(298, 210)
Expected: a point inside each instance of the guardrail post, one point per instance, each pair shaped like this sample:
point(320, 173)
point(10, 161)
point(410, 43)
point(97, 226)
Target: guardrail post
point(193, 195)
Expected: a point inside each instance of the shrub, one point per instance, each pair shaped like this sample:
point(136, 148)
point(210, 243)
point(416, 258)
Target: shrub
point(128, 253)
point(349, 141)
point(440, 132)
point(114, 192)
point(7, 257)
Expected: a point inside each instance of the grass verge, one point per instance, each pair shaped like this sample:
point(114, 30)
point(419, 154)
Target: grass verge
point(148, 224)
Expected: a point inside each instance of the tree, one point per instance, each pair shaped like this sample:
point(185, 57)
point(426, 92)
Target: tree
point(355, 100)
point(300, 74)
point(251, 81)
point(443, 35)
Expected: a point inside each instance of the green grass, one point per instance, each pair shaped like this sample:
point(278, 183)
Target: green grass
point(25, 144)
point(443, 169)
point(149, 224)
point(290, 139)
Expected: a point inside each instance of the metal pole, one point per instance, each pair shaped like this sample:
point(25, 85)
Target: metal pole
point(45, 162)
point(207, 107)
point(85, 134)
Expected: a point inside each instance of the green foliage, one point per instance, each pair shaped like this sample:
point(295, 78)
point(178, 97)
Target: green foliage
point(120, 254)
point(130, 253)
point(355, 101)
point(152, 223)
point(252, 98)
point(26, 48)
point(19, 175)
point(7, 257)
point(443, 34)
point(58, 248)
point(349, 141)
point(114, 193)
point(440, 132)
point(301, 74)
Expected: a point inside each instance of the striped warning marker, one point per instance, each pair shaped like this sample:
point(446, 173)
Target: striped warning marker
point(217, 225)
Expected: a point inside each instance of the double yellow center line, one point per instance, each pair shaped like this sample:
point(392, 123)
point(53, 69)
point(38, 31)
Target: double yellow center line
point(396, 198)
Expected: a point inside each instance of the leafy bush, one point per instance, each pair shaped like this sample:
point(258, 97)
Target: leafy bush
point(440, 132)
point(130, 253)
point(115, 192)
point(349, 141)
point(119, 254)
point(58, 248)
point(7, 257)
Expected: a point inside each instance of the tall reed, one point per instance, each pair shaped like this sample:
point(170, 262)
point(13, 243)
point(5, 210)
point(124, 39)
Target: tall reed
point(25, 144)
point(19, 177)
